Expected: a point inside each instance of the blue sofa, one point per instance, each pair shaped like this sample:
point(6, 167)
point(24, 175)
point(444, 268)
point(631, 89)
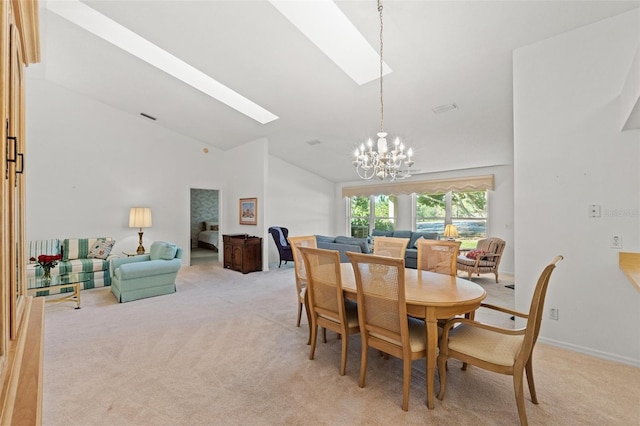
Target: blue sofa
point(343, 245)
point(146, 275)
point(411, 255)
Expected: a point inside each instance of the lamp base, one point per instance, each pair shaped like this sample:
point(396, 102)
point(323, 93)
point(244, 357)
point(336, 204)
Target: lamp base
point(140, 249)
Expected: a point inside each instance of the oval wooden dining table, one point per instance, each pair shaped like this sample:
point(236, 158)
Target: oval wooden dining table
point(430, 296)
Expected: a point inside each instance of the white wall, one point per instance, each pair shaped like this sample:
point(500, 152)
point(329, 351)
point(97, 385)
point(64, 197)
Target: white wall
point(88, 163)
point(298, 200)
point(500, 207)
point(246, 169)
point(570, 153)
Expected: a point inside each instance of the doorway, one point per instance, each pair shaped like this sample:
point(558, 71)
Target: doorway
point(205, 235)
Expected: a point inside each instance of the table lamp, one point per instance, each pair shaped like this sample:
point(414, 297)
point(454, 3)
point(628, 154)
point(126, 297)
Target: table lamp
point(451, 232)
point(140, 217)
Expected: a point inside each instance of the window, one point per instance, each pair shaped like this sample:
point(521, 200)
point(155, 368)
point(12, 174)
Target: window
point(372, 212)
point(359, 216)
point(466, 210)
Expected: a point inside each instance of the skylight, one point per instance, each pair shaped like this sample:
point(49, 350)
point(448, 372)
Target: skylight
point(332, 32)
point(109, 30)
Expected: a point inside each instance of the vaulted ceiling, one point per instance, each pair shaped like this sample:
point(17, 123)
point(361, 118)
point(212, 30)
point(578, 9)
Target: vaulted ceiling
point(440, 52)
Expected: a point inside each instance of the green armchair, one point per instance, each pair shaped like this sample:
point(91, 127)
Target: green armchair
point(146, 275)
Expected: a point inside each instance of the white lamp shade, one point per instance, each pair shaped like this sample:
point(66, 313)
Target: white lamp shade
point(140, 217)
point(451, 231)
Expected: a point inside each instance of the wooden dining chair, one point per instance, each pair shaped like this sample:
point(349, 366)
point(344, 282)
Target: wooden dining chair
point(300, 272)
point(325, 299)
point(382, 312)
point(390, 246)
point(438, 256)
point(497, 349)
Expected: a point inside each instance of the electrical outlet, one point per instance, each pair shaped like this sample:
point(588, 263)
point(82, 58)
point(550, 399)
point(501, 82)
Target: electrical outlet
point(553, 313)
point(616, 241)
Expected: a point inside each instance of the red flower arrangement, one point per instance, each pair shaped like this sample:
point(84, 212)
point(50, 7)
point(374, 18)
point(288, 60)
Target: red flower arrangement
point(47, 261)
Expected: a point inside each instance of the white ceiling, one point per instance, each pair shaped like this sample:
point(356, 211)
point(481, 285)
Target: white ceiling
point(440, 52)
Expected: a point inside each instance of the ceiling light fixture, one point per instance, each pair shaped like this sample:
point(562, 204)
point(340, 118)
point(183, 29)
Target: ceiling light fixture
point(116, 34)
point(381, 162)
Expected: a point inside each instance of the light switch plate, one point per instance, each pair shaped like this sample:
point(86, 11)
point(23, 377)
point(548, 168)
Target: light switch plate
point(616, 241)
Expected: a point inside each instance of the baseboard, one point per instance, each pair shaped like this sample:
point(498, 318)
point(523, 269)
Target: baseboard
point(593, 352)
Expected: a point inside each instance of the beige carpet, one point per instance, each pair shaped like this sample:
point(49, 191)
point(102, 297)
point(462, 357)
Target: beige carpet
point(224, 349)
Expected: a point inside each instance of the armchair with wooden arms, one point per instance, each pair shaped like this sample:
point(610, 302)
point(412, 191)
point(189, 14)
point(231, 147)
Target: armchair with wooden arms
point(497, 349)
point(484, 259)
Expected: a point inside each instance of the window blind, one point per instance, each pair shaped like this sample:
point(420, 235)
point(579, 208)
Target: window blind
point(463, 184)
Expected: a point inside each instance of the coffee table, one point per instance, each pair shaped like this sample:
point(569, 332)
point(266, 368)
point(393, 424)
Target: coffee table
point(65, 281)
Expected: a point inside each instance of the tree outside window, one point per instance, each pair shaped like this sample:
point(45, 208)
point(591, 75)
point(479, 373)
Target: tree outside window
point(466, 210)
point(374, 212)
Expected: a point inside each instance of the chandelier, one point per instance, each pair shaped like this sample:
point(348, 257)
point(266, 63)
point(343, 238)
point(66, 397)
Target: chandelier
point(379, 161)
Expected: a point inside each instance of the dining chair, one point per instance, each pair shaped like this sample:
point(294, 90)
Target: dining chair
point(501, 350)
point(382, 312)
point(438, 256)
point(300, 272)
point(325, 298)
point(390, 246)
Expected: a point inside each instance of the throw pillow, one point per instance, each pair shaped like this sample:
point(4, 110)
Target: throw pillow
point(101, 249)
point(214, 227)
point(169, 251)
point(474, 254)
point(162, 250)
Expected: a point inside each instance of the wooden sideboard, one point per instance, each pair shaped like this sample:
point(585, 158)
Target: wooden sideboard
point(242, 253)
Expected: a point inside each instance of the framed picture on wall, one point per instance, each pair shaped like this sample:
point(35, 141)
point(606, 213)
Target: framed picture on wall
point(248, 211)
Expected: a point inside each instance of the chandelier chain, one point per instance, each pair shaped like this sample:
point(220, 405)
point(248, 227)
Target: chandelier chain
point(381, 63)
point(383, 160)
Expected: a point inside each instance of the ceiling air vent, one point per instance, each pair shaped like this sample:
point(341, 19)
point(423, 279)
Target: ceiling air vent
point(445, 108)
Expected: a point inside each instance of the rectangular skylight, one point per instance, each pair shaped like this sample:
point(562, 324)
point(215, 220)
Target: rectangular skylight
point(332, 32)
point(109, 30)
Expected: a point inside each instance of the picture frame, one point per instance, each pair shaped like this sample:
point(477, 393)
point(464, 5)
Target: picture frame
point(248, 211)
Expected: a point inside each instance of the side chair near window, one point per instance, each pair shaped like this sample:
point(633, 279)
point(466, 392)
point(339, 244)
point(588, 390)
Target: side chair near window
point(390, 246)
point(300, 272)
point(382, 312)
point(484, 259)
point(438, 256)
point(280, 235)
point(325, 298)
point(496, 349)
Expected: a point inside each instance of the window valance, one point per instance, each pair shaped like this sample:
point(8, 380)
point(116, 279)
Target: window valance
point(462, 184)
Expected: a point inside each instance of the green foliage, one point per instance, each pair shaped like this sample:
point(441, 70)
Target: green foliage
point(469, 204)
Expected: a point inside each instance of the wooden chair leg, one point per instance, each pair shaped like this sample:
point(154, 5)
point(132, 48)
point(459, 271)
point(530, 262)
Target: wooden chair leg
point(517, 387)
point(406, 382)
point(532, 386)
point(363, 363)
point(442, 373)
point(343, 357)
point(299, 313)
point(314, 337)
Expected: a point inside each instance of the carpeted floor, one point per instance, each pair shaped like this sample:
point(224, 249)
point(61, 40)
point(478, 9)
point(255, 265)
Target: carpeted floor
point(225, 350)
